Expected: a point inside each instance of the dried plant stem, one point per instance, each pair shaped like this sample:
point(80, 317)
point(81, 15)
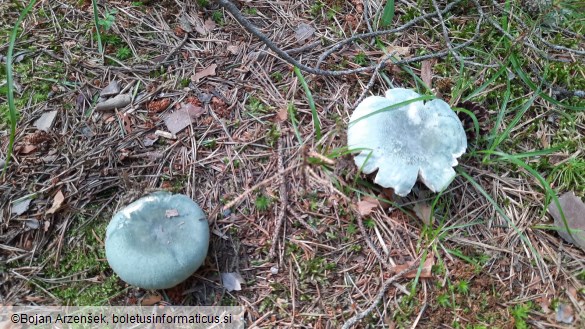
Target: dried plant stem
point(283, 197)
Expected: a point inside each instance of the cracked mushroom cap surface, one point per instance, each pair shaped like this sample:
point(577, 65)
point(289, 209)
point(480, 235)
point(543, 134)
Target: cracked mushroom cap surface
point(417, 140)
point(157, 241)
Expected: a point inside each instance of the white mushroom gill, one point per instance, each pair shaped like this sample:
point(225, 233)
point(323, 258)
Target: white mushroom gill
point(417, 140)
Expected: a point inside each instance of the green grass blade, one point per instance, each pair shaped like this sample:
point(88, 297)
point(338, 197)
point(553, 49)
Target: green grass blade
point(387, 14)
point(502, 111)
point(96, 21)
point(293, 120)
point(394, 107)
point(504, 135)
point(473, 118)
point(12, 114)
point(517, 68)
point(316, 122)
point(486, 84)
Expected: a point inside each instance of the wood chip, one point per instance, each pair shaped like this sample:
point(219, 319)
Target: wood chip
point(117, 102)
point(165, 134)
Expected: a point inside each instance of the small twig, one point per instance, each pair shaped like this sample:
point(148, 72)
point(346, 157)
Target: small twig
point(384, 32)
point(356, 318)
point(304, 48)
point(235, 12)
point(283, 197)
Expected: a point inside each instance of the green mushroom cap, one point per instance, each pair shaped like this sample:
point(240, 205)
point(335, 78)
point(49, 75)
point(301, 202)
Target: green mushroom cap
point(157, 241)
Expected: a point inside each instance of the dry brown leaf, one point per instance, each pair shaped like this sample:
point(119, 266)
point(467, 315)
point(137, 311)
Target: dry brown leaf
point(233, 49)
point(210, 24)
point(57, 202)
point(208, 71)
point(177, 121)
point(367, 205)
point(398, 51)
point(426, 72)
point(544, 303)
point(26, 149)
point(282, 115)
point(426, 271)
point(150, 300)
point(303, 32)
point(423, 211)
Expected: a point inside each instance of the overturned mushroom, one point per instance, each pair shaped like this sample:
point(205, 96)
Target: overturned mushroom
point(415, 140)
point(157, 241)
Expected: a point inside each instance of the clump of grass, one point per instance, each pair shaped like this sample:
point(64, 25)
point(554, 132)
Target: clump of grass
point(569, 175)
point(84, 260)
point(12, 113)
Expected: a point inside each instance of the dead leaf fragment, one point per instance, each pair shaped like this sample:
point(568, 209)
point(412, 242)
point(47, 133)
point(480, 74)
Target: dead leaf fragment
point(25, 149)
point(150, 300)
point(232, 281)
point(113, 88)
point(398, 51)
point(565, 314)
point(426, 72)
point(183, 117)
point(426, 271)
point(208, 71)
point(303, 32)
point(574, 210)
point(367, 205)
point(45, 122)
point(423, 211)
point(21, 207)
point(206, 27)
point(233, 49)
point(282, 115)
point(57, 202)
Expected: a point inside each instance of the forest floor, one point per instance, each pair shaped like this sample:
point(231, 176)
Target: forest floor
point(216, 115)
